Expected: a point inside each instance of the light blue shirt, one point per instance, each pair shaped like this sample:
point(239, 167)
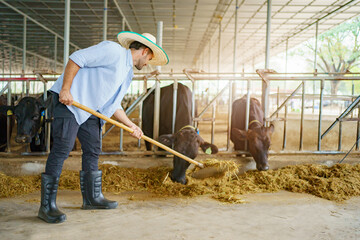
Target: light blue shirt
point(105, 74)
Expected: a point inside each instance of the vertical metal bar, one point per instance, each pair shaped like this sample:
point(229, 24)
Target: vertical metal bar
point(265, 87)
point(235, 37)
point(175, 89)
point(10, 63)
point(3, 63)
point(213, 122)
point(352, 96)
point(277, 100)
point(247, 110)
point(105, 20)
point(24, 46)
point(268, 27)
point(286, 55)
point(121, 148)
point(159, 38)
point(66, 32)
point(123, 24)
point(229, 114)
point(105, 10)
point(24, 84)
point(8, 122)
point(286, 60)
point(193, 101)
point(219, 48)
point(315, 60)
point(285, 125)
point(320, 113)
point(232, 86)
point(302, 116)
point(358, 129)
point(313, 97)
point(157, 88)
point(340, 135)
point(55, 53)
point(9, 104)
point(140, 120)
point(316, 45)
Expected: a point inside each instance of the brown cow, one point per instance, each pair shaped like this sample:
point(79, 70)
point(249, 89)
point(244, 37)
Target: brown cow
point(186, 140)
point(258, 136)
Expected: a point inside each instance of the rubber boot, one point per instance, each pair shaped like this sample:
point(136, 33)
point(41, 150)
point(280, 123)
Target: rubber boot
point(48, 210)
point(90, 184)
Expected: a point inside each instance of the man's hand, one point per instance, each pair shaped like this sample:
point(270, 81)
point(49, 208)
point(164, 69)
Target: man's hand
point(137, 131)
point(71, 70)
point(120, 115)
point(65, 97)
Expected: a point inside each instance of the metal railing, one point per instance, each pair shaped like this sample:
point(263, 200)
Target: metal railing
point(198, 77)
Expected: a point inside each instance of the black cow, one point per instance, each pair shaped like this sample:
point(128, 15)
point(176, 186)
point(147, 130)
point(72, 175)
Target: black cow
point(30, 117)
point(3, 123)
point(185, 140)
point(258, 136)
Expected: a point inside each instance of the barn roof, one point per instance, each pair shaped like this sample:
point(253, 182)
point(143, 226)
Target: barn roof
point(188, 27)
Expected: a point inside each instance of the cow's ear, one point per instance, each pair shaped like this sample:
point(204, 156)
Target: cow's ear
point(207, 148)
point(167, 139)
point(271, 129)
point(45, 104)
point(7, 110)
point(239, 134)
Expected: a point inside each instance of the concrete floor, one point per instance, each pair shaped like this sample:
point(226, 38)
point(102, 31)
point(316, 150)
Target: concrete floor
point(281, 215)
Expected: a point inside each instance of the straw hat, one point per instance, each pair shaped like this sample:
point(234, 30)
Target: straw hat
point(160, 57)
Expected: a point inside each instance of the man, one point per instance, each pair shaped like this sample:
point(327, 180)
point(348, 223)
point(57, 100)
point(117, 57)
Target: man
point(97, 77)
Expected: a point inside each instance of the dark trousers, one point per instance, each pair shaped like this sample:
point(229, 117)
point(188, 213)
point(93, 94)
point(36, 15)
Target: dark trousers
point(64, 132)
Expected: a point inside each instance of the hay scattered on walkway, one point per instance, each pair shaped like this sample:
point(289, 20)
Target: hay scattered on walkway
point(336, 183)
point(12, 186)
point(224, 168)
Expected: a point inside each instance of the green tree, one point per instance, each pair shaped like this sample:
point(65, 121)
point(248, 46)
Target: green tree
point(338, 50)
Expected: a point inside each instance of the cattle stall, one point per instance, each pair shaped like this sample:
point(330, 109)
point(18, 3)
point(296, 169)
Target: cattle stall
point(209, 105)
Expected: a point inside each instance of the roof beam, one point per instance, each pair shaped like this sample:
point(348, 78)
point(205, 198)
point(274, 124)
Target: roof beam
point(38, 23)
point(122, 14)
point(29, 52)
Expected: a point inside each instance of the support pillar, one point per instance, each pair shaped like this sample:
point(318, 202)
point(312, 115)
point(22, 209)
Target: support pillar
point(157, 88)
point(105, 20)
point(66, 32)
point(265, 87)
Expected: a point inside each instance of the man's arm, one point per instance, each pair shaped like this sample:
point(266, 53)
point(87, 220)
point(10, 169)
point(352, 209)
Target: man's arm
point(71, 70)
point(120, 115)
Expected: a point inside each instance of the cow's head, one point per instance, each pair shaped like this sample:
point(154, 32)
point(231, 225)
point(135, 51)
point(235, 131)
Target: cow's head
point(258, 143)
point(187, 142)
point(28, 113)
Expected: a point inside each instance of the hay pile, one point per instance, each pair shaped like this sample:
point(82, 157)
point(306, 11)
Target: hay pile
point(336, 183)
point(12, 186)
point(216, 168)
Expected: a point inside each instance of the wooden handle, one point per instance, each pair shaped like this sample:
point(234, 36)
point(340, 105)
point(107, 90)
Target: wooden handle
point(150, 140)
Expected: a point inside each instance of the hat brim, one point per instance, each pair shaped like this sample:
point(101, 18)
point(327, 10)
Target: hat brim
point(160, 57)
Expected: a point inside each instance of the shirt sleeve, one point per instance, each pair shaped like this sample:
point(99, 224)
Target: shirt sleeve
point(102, 54)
